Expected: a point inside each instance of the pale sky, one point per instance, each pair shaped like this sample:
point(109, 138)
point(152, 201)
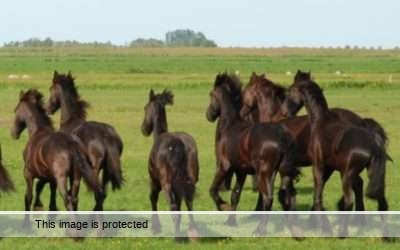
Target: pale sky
point(251, 23)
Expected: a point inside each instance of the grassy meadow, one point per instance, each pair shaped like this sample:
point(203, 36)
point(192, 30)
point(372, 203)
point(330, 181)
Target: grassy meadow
point(116, 84)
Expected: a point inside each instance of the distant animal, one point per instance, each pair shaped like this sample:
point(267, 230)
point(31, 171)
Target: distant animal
point(50, 156)
point(101, 142)
point(13, 76)
point(173, 161)
point(262, 149)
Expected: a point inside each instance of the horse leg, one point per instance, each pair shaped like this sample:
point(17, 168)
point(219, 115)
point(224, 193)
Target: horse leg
point(38, 205)
point(100, 194)
point(28, 197)
point(193, 234)
point(321, 175)
point(266, 178)
point(75, 184)
point(226, 185)
point(235, 198)
point(254, 183)
point(347, 203)
point(95, 157)
point(290, 201)
point(214, 191)
point(68, 203)
point(175, 204)
point(154, 193)
point(53, 199)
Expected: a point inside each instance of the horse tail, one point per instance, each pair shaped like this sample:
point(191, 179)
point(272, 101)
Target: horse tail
point(379, 133)
point(287, 164)
point(177, 160)
point(81, 163)
point(6, 184)
point(113, 163)
point(376, 174)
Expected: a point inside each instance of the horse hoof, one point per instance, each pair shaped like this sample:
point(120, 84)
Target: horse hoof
point(297, 233)
point(73, 233)
point(156, 229)
point(260, 232)
point(38, 208)
point(193, 235)
point(231, 222)
point(225, 207)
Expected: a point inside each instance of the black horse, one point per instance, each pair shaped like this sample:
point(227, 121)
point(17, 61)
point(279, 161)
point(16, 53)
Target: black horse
point(173, 162)
point(244, 148)
point(337, 145)
point(101, 142)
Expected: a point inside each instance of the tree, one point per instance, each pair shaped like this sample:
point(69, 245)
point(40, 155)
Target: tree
point(187, 38)
point(151, 43)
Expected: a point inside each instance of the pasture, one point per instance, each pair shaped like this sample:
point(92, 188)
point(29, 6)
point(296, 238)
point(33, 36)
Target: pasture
point(116, 83)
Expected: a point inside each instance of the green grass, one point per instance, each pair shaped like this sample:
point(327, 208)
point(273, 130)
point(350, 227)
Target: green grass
point(116, 83)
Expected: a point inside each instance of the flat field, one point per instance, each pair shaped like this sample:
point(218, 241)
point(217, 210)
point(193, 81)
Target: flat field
point(116, 83)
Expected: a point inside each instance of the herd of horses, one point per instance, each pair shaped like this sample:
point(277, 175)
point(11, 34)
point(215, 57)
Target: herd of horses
point(257, 133)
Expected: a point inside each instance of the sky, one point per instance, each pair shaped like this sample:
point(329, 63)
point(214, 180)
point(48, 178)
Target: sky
point(246, 23)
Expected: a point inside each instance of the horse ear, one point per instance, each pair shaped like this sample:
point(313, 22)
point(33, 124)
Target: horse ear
point(21, 94)
point(263, 75)
point(168, 97)
point(55, 74)
point(151, 95)
point(69, 74)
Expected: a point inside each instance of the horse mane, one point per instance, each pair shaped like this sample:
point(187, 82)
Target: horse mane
point(67, 82)
point(34, 97)
point(278, 90)
point(314, 93)
point(233, 85)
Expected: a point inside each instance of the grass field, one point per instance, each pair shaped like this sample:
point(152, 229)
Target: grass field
point(116, 83)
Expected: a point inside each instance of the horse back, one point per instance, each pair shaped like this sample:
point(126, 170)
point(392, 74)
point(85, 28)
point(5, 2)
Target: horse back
point(47, 151)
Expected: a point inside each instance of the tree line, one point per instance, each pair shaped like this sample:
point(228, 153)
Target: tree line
point(176, 38)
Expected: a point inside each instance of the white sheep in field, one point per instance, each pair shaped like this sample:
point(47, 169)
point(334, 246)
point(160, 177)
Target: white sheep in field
point(26, 76)
point(13, 76)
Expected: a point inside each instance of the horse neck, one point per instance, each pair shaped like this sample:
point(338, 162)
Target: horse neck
point(160, 123)
point(229, 115)
point(268, 108)
point(38, 122)
point(71, 109)
point(316, 106)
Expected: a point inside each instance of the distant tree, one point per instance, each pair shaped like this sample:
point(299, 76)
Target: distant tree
point(151, 43)
point(187, 38)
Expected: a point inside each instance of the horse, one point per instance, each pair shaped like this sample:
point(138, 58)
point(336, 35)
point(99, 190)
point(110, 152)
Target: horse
point(244, 148)
point(337, 145)
point(6, 184)
point(102, 144)
point(50, 156)
point(173, 162)
point(268, 99)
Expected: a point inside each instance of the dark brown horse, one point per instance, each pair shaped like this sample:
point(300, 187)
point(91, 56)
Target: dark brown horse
point(261, 149)
point(337, 145)
point(173, 162)
point(268, 98)
point(50, 156)
point(101, 142)
point(6, 184)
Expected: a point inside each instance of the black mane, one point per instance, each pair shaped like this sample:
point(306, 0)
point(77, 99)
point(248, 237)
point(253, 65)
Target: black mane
point(67, 82)
point(34, 97)
point(232, 84)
